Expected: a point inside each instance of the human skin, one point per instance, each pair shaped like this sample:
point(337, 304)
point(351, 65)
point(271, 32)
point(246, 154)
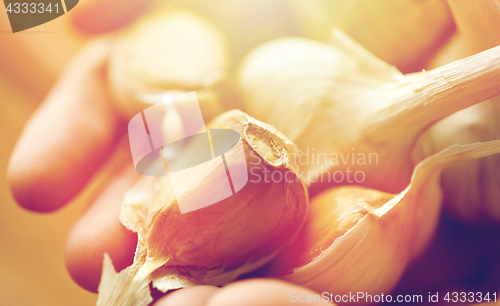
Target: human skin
point(100, 16)
point(74, 131)
point(70, 137)
point(261, 292)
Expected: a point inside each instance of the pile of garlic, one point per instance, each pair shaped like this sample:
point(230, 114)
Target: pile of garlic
point(307, 97)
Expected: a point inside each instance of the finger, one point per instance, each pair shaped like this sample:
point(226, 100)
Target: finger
point(99, 16)
point(68, 137)
point(99, 231)
point(264, 292)
point(194, 296)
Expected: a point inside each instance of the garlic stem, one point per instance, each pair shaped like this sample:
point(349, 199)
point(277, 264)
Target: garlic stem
point(419, 101)
point(445, 90)
point(339, 99)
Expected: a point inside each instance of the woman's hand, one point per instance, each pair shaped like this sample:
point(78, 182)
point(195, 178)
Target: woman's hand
point(71, 137)
point(68, 139)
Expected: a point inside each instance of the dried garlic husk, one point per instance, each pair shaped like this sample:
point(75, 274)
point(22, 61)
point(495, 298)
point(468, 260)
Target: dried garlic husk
point(399, 32)
point(341, 101)
point(215, 244)
point(361, 240)
point(472, 188)
point(170, 52)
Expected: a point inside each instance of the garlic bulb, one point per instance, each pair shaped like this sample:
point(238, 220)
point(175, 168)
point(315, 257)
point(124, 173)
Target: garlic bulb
point(361, 240)
point(215, 244)
point(471, 188)
point(351, 113)
point(399, 32)
point(169, 52)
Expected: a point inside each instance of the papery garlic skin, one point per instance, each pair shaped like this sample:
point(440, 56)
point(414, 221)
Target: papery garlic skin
point(215, 244)
point(472, 188)
point(169, 52)
point(401, 33)
point(370, 237)
point(339, 98)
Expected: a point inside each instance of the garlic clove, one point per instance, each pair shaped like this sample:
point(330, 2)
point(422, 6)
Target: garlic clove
point(361, 240)
point(215, 244)
point(174, 52)
point(471, 188)
point(341, 102)
point(402, 33)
